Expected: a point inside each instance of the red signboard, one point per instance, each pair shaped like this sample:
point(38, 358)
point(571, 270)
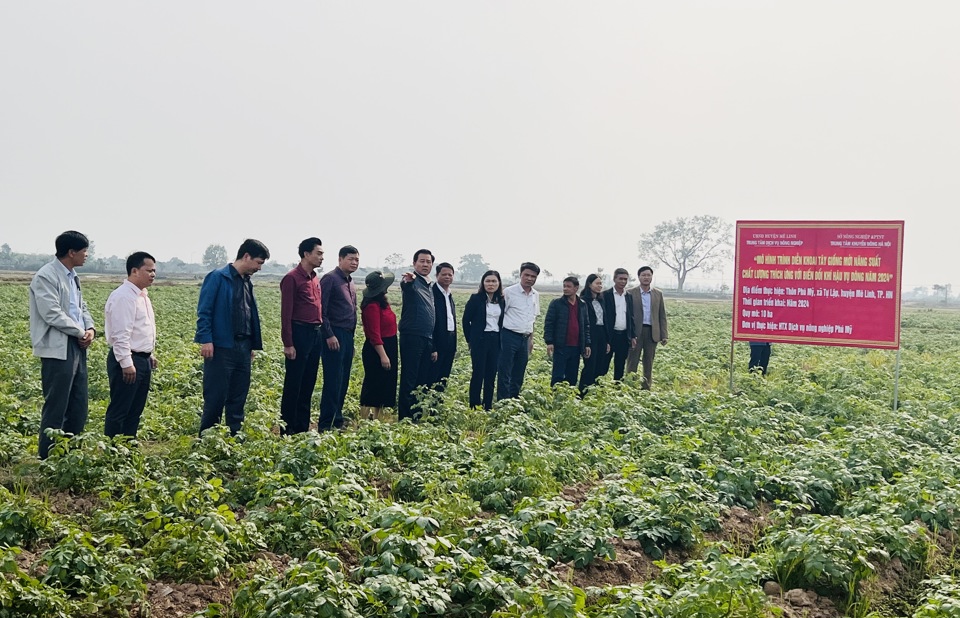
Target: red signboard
point(818, 282)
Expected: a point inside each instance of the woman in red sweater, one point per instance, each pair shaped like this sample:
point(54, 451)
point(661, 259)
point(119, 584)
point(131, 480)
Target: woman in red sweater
point(379, 353)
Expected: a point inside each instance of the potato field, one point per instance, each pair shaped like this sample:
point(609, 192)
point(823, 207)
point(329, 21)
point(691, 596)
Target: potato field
point(804, 493)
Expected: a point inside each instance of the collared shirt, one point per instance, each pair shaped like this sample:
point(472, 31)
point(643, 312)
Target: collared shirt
point(339, 295)
point(520, 309)
point(129, 323)
point(299, 302)
point(451, 321)
point(242, 303)
point(620, 302)
point(493, 318)
point(76, 296)
point(645, 299)
point(598, 310)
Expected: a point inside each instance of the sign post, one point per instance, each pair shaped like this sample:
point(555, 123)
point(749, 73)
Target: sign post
point(818, 283)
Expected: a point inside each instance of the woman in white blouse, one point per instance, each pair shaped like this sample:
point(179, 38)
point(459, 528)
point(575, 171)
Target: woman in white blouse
point(599, 326)
point(482, 321)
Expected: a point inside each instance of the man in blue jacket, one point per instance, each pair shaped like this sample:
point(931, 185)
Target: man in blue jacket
point(228, 331)
point(566, 331)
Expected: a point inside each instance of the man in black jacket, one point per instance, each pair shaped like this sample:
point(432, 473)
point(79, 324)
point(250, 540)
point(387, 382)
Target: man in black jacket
point(566, 331)
point(445, 327)
point(417, 321)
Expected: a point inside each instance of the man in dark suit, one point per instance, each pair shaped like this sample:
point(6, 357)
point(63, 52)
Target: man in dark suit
point(621, 331)
point(417, 321)
point(445, 329)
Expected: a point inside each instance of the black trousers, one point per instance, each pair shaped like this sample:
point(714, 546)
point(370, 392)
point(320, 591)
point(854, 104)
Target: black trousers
point(337, 365)
point(126, 400)
point(512, 363)
point(619, 349)
point(65, 404)
point(415, 370)
point(300, 378)
point(483, 357)
point(759, 356)
point(566, 364)
point(226, 382)
point(446, 349)
point(598, 354)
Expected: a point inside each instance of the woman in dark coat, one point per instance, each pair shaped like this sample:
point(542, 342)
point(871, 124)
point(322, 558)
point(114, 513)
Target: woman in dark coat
point(482, 321)
point(600, 340)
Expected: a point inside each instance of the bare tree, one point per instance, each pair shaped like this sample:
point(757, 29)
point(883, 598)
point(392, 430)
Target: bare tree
point(394, 262)
point(684, 245)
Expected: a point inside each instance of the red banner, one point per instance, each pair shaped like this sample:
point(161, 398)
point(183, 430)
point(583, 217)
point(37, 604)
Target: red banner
point(818, 282)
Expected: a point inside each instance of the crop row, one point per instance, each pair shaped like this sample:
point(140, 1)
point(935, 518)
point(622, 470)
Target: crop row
point(507, 512)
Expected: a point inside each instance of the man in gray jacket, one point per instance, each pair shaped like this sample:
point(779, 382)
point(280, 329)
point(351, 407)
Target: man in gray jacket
point(61, 330)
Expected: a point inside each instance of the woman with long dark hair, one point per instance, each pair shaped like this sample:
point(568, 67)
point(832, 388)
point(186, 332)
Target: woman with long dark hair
point(379, 354)
point(482, 321)
point(599, 323)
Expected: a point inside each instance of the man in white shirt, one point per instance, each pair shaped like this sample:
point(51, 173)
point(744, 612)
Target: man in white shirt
point(623, 333)
point(445, 328)
point(520, 311)
point(132, 336)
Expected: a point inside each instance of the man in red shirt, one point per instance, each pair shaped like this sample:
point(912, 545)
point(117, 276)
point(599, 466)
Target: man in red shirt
point(301, 331)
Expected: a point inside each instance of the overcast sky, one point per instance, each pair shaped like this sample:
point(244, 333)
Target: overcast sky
point(549, 131)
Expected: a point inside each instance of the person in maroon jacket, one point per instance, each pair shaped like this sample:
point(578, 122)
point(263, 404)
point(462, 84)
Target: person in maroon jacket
point(301, 331)
point(339, 324)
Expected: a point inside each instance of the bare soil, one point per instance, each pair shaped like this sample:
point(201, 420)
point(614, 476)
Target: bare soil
point(172, 600)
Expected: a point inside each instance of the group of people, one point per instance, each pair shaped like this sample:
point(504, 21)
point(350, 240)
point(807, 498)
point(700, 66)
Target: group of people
point(62, 329)
point(618, 326)
point(318, 317)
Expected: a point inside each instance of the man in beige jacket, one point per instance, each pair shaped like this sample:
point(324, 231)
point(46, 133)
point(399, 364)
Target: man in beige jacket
point(650, 318)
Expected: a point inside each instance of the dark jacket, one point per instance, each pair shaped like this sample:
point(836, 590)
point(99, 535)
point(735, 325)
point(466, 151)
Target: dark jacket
point(555, 324)
point(475, 316)
point(417, 313)
point(215, 312)
point(592, 318)
point(610, 313)
point(440, 306)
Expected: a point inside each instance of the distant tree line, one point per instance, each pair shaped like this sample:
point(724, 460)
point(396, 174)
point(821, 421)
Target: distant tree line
point(681, 245)
point(117, 265)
